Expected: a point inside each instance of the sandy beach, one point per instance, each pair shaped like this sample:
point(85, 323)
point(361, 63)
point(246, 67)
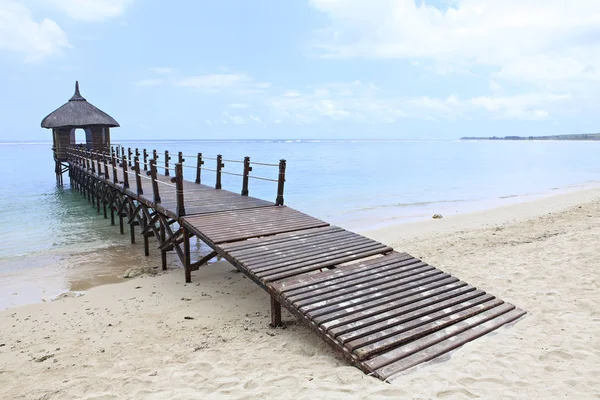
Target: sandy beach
point(156, 337)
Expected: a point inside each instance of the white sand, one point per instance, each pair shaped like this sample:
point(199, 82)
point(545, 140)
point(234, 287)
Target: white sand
point(131, 340)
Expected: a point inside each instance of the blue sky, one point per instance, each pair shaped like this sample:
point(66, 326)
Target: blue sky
point(305, 69)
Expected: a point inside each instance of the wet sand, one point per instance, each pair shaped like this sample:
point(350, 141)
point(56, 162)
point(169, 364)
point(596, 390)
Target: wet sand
point(133, 340)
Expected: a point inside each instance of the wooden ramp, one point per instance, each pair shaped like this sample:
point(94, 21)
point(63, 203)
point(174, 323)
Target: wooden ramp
point(381, 310)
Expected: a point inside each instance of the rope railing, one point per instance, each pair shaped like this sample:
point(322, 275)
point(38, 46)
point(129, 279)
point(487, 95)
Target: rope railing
point(233, 161)
point(262, 179)
point(103, 165)
point(264, 164)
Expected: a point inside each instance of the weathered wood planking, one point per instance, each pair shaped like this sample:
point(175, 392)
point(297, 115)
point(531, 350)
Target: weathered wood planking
point(392, 312)
point(383, 311)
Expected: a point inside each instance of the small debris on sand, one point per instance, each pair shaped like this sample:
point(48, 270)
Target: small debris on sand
point(43, 358)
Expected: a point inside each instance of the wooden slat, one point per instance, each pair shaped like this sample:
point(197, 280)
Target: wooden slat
point(302, 283)
point(436, 337)
point(370, 317)
point(397, 286)
point(373, 283)
point(350, 280)
point(435, 284)
point(320, 240)
point(396, 335)
point(391, 371)
point(294, 258)
point(300, 245)
point(295, 270)
point(279, 238)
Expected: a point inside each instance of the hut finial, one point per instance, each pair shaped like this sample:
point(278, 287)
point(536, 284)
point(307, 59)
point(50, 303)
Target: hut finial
point(77, 96)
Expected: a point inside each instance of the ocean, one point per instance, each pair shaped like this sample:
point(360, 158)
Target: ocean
point(53, 241)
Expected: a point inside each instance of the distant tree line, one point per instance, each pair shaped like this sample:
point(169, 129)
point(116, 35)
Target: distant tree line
point(581, 136)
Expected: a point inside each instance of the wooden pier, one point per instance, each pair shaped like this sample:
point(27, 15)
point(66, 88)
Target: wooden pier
point(381, 310)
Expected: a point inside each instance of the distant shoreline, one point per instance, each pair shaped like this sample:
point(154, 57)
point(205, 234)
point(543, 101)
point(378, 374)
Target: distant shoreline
point(582, 136)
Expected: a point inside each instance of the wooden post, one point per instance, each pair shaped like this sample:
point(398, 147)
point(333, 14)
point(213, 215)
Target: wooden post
point(199, 168)
point(99, 168)
point(118, 151)
point(154, 155)
point(152, 174)
point(92, 162)
point(167, 158)
point(104, 159)
point(247, 169)
point(280, 183)
point(145, 160)
point(178, 181)
point(275, 312)
point(114, 170)
point(132, 228)
point(180, 158)
point(129, 153)
point(146, 243)
point(112, 207)
point(186, 251)
point(219, 166)
point(125, 174)
point(137, 154)
point(163, 253)
point(112, 151)
point(138, 177)
point(120, 211)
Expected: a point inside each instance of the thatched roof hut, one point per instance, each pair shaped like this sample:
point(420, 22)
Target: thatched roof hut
point(78, 113)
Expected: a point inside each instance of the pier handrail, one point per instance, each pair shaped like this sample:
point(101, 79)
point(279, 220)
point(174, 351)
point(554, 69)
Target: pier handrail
point(132, 160)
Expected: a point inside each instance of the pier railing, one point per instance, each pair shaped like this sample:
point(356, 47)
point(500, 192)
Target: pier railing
point(121, 165)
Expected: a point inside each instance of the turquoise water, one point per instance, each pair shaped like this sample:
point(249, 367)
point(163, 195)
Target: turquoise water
point(53, 241)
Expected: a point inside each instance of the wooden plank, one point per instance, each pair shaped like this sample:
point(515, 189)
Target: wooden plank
point(434, 338)
point(382, 290)
point(304, 283)
point(405, 329)
point(279, 238)
point(289, 245)
point(266, 231)
point(306, 255)
point(392, 371)
point(362, 277)
point(230, 224)
point(369, 283)
point(409, 291)
point(296, 269)
point(390, 309)
point(293, 247)
point(257, 266)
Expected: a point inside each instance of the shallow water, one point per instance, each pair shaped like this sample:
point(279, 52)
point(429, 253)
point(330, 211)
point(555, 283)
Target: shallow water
point(54, 241)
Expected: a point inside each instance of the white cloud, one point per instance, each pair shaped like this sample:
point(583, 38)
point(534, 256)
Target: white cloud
point(20, 33)
point(92, 10)
point(529, 40)
point(255, 118)
point(211, 83)
point(354, 101)
point(365, 103)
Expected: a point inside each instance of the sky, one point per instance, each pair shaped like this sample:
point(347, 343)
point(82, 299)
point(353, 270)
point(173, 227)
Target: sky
point(318, 69)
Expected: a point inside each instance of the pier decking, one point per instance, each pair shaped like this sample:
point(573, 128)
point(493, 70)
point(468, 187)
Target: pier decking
point(383, 311)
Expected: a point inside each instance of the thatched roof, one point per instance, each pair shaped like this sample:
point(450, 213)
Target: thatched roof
point(78, 113)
